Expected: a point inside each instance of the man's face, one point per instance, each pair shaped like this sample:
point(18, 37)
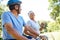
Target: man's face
point(18, 8)
point(32, 15)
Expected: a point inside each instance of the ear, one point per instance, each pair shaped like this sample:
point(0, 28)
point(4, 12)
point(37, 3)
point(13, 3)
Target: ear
point(16, 7)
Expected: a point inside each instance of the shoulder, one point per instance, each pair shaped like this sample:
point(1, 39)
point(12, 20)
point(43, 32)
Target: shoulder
point(29, 22)
point(5, 13)
point(20, 17)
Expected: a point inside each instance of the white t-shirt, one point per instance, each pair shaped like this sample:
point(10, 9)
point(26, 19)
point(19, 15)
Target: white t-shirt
point(34, 25)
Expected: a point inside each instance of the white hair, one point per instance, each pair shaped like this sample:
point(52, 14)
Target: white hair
point(30, 12)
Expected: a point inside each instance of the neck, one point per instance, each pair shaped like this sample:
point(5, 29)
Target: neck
point(32, 19)
point(15, 13)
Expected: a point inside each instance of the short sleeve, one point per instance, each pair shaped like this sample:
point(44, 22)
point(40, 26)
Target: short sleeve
point(5, 18)
point(24, 23)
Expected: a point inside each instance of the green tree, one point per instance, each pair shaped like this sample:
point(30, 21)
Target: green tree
point(3, 8)
point(53, 26)
point(55, 15)
point(54, 6)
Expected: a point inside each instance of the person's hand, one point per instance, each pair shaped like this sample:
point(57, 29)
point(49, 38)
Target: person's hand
point(43, 37)
point(38, 38)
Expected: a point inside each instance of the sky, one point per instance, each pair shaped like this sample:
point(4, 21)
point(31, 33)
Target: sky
point(39, 7)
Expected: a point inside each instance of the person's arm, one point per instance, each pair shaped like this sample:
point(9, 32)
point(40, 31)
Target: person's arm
point(31, 30)
point(7, 24)
point(29, 33)
point(28, 28)
point(13, 32)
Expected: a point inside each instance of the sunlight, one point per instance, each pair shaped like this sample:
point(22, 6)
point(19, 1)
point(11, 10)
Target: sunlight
point(39, 7)
point(50, 26)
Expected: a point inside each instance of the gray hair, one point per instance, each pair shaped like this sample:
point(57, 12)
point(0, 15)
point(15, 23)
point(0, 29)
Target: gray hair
point(30, 12)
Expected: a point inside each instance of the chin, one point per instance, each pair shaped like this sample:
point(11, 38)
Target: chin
point(19, 13)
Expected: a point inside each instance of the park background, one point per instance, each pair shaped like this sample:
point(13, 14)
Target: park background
point(47, 11)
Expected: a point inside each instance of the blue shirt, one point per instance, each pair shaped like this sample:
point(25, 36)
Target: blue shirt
point(17, 24)
point(34, 25)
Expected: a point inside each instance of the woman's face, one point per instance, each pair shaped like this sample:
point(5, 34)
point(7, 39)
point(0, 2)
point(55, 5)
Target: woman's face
point(32, 15)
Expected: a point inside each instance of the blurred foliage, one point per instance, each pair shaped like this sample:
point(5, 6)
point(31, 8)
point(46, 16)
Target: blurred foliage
point(55, 15)
point(53, 26)
point(54, 6)
point(55, 12)
point(1, 10)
